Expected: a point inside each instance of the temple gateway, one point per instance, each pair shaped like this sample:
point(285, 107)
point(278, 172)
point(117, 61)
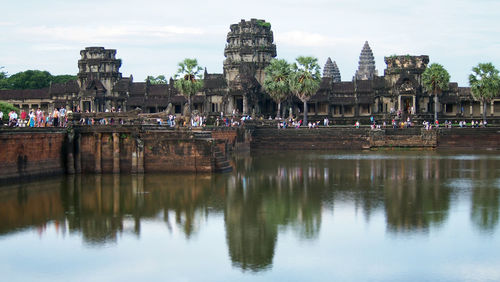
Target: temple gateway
point(249, 49)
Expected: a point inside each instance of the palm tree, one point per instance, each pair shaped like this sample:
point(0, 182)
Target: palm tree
point(305, 80)
point(484, 83)
point(156, 80)
point(436, 79)
point(276, 82)
point(188, 79)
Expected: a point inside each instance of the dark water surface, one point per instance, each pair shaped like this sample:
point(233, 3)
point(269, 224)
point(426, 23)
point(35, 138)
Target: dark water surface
point(296, 216)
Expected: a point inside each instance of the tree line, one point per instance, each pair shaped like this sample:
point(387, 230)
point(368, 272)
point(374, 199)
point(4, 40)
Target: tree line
point(31, 79)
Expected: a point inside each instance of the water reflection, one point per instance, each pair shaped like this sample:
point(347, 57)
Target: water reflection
point(268, 194)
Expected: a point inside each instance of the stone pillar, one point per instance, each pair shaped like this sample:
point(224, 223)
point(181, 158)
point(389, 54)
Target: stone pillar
point(414, 105)
point(116, 153)
point(399, 103)
point(492, 108)
point(97, 154)
point(140, 156)
point(78, 157)
point(70, 161)
point(245, 105)
point(471, 108)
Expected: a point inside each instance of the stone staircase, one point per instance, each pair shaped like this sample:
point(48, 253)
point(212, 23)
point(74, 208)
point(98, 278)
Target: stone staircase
point(221, 162)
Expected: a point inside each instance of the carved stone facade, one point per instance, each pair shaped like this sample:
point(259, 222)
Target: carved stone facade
point(250, 47)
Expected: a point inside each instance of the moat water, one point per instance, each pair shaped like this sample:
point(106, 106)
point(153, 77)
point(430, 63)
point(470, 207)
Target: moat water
point(294, 216)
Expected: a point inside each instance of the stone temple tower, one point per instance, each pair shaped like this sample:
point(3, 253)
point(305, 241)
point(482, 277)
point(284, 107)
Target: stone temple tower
point(366, 69)
point(249, 42)
point(331, 70)
point(98, 71)
point(248, 52)
point(99, 64)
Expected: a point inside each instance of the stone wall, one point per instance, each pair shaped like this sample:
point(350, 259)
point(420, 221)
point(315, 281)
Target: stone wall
point(29, 153)
point(469, 138)
point(232, 139)
point(131, 151)
point(403, 138)
point(365, 138)
point(310, 139)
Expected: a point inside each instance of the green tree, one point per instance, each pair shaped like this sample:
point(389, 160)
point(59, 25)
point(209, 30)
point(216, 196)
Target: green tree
point(305, 80)
point(484, 83)
point(3, 74)
point(63, 78)
point(276, 82)
point(188, 79)
point(156, 80)
point(30, 79)
point(6, 108)
point(436, 79)
point(3, 78)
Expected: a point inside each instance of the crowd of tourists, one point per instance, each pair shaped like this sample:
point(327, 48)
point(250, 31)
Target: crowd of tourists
point(36, 118)
point(59, 118)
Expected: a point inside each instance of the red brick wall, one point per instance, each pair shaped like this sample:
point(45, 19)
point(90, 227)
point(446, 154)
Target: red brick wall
point(163, 152)
point(469, 138)
point(25, 153)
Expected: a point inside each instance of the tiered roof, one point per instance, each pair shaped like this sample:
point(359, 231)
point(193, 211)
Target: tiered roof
point(331, 70)
point(366, 69)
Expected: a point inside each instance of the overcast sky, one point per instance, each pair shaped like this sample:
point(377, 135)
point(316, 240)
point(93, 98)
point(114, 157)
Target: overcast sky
point(151, 37)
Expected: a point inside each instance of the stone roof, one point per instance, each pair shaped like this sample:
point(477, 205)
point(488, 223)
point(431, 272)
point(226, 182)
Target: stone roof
point(135, 100)
point(342, 100)
point(448, 97)
point(138, 88)
point(464, 91)
point(214, 81)
point(343, 87)
point(178, 99)
point(331, 70)
point(63, 88)
point(453, 87)
point(324, 90)
point(23, 94)
point(122, 85)
point(364, 86)
point(365, 98)
point(158, 90)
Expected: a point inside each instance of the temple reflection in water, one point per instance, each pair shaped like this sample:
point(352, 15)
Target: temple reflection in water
point(265, 196)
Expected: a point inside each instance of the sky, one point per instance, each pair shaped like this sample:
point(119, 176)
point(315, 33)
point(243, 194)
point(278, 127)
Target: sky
point(152, 37)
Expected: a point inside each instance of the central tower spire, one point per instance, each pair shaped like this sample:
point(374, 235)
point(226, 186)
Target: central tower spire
point(366, 69)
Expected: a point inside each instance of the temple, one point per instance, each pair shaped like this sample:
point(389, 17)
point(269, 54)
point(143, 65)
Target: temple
point(238, 90)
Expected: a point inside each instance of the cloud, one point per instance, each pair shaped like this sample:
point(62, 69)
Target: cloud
point(115, 33)
point(7, 24)
point(54, 47)
point(311, 39)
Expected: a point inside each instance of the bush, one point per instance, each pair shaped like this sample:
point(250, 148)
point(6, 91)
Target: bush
point(6, 108)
